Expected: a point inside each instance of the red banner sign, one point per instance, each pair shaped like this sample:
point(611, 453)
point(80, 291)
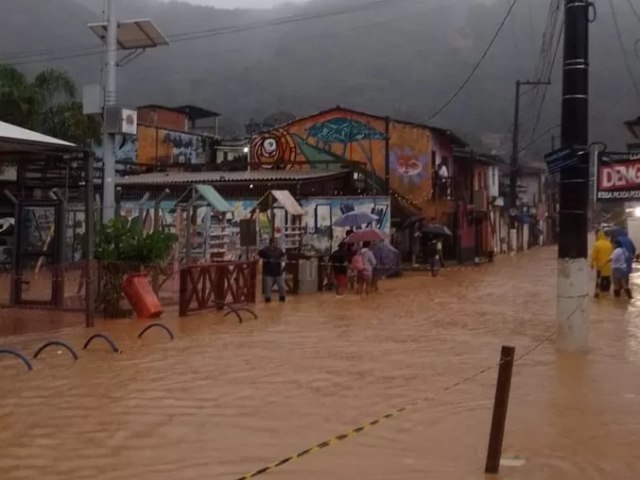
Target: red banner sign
point(619, 177)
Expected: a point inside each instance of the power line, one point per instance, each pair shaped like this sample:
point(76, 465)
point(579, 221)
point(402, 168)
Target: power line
point(547, 39)
point(546, 88)
point(476, 66)
point(624, 51)
point(633, 9)
point(516, 47)
point(85, 51)
point(535, 140)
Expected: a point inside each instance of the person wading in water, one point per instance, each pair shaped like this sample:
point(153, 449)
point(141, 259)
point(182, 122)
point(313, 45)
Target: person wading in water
point(340, 267)
point(272, 257)
point(600, 255)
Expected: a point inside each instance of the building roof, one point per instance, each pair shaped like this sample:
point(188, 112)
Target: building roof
point(483, 158)
point(163, 107)
point(192, 111)
point(15, 140)
point(177, 178)
point(457, 141)
point(282, 197)
point(213, 198)
point(197, 113)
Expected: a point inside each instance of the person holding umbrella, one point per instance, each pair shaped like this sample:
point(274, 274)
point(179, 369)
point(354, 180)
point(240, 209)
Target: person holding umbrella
point(363, 263)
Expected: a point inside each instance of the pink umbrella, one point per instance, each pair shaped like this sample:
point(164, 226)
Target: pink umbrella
point(366, 235)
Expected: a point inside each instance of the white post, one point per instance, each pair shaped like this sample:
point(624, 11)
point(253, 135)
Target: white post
point(573, 278)
point(513, 241)
point(573, 304)
point(108, 153)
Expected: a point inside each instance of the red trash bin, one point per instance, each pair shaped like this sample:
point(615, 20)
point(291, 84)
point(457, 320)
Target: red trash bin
point(141, 297)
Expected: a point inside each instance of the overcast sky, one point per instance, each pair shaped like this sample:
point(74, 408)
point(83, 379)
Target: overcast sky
point(243, 3)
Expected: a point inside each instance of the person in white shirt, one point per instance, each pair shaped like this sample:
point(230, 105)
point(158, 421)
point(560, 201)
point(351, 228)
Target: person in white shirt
point(619, 262)
point(443, 180)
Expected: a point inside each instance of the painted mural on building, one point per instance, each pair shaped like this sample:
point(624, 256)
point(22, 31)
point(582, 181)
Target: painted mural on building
point(406, 153)
point(158, 146)
point(320, 215)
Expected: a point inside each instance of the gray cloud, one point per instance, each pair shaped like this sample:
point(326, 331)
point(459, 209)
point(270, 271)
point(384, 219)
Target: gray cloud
point(243, 3)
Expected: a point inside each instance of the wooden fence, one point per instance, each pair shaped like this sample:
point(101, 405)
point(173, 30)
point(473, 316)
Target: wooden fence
point(211, 286)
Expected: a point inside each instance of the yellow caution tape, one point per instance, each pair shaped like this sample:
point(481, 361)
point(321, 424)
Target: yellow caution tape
point(329, 442)
point(394, 413)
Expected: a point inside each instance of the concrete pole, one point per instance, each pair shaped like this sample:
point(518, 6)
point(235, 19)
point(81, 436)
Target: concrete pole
point(513, 174)
point(573, 269)
point(513, 177)
point(108, 155)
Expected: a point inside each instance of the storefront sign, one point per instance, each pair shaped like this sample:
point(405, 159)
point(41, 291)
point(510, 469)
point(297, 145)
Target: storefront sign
point(618, 177)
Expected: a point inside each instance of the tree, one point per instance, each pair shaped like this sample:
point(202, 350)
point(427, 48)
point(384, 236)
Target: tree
point(46, 104)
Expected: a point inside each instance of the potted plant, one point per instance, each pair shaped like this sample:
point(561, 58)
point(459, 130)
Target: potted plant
point(121, 248)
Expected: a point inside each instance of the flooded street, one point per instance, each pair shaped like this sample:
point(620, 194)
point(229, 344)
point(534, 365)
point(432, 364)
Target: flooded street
point(225, 399)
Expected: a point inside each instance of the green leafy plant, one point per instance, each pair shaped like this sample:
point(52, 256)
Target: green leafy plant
point(48, 104)
point(122, 248)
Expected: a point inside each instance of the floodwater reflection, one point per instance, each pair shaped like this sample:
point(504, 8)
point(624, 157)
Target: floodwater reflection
point(224, 399)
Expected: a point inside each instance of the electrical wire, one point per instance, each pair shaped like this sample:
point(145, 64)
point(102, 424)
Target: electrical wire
point(536, 139)
point(633, 9)
point(25, 58)
point(547, 39)
point(466, 81)
point(514, 35)
point(546, 87)
point(634, 82)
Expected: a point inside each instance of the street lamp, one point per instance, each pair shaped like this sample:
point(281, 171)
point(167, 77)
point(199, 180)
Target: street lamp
point(247, 152)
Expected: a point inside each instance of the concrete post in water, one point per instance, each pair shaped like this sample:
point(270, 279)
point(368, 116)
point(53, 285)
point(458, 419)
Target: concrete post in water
point(500, 405)
point(108, 143)
point(572, 306)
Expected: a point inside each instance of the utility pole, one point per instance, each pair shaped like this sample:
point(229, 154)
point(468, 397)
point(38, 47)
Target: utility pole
point(108, 142)
point(572, 306)
point(513, 174)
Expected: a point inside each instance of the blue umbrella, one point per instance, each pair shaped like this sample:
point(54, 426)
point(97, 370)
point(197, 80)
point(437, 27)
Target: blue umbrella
point(387, 257)
point(355, 219)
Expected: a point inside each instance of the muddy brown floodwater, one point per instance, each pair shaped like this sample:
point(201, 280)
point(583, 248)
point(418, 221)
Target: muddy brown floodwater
point(224, 399)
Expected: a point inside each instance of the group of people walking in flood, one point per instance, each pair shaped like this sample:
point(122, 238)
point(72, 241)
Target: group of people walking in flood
point(355, 266)
point(612, 257)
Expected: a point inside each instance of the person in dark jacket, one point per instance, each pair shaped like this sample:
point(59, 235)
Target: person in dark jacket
point(272, 257)
point(340, 268)
point(350, 251)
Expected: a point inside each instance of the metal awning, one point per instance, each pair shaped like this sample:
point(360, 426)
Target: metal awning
point(282, 197)
point(215, 177)
point(213, 198)
point(16, 140)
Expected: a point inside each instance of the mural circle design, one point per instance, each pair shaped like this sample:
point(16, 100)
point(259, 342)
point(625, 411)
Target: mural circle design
point(273, 149)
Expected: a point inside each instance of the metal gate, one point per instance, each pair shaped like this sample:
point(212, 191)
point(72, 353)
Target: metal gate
point(38, 278)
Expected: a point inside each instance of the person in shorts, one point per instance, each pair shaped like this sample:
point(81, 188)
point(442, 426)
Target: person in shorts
point(619, 270)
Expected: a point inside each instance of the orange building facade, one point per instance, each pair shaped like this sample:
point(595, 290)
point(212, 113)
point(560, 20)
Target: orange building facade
point(404, 156)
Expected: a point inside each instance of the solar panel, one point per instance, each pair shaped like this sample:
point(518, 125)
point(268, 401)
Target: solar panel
point(133, 34)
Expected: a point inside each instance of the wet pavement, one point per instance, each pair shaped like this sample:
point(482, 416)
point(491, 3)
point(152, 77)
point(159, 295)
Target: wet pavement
point(225, 399)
